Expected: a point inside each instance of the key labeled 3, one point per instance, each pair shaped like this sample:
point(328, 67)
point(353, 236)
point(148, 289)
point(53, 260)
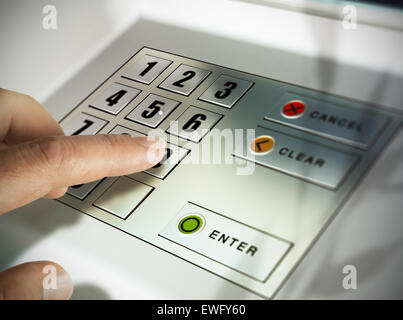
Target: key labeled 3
point(226, 91)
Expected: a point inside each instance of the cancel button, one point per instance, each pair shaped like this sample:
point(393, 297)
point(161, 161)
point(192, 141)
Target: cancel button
point(356, 125)
point(242, 248)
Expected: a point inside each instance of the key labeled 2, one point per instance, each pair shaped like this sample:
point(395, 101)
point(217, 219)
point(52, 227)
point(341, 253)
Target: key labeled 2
point(184, 80)
point(152, 110)
point(194, 124)
point(115, 98)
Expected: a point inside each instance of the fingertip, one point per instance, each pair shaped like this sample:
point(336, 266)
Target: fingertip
point(56, 193)
point(155, 148)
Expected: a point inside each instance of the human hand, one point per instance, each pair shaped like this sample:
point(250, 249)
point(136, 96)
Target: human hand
point(38, 160)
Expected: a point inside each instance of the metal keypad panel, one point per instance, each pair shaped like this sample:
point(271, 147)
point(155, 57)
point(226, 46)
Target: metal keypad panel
point(289, 158)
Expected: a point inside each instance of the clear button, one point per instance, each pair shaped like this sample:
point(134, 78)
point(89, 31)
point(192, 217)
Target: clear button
point(306, 160)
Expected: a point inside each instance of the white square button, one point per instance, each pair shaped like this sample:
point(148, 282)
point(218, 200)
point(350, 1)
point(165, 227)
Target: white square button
point(123, 197)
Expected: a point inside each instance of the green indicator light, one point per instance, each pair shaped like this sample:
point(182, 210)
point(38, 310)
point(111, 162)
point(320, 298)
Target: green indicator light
point(190, 224)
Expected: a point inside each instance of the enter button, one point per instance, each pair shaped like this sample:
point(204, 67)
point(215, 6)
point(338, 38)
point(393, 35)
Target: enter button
point(226, 241)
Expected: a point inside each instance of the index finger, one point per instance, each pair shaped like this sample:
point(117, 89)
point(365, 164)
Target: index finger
point(31, 170)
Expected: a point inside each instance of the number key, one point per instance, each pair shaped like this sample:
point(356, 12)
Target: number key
point(226, 91)
point(147, 69)
point(194, 124)
point(115, 98)
point(82, 190)
point(184, 79)
point(122, 130)
point(173, 155)
point(83, 123)
point(152, 110)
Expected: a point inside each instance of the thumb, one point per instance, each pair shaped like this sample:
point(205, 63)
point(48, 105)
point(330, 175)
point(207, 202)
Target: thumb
point(35, 281)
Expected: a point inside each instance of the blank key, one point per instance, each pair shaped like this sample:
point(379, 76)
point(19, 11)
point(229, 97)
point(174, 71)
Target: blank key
point(123, 197)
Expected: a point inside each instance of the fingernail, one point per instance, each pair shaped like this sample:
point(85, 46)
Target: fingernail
point(156, 148)
point(63, 289)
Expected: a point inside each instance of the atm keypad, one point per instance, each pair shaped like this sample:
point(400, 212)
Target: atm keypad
point(303, 153)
